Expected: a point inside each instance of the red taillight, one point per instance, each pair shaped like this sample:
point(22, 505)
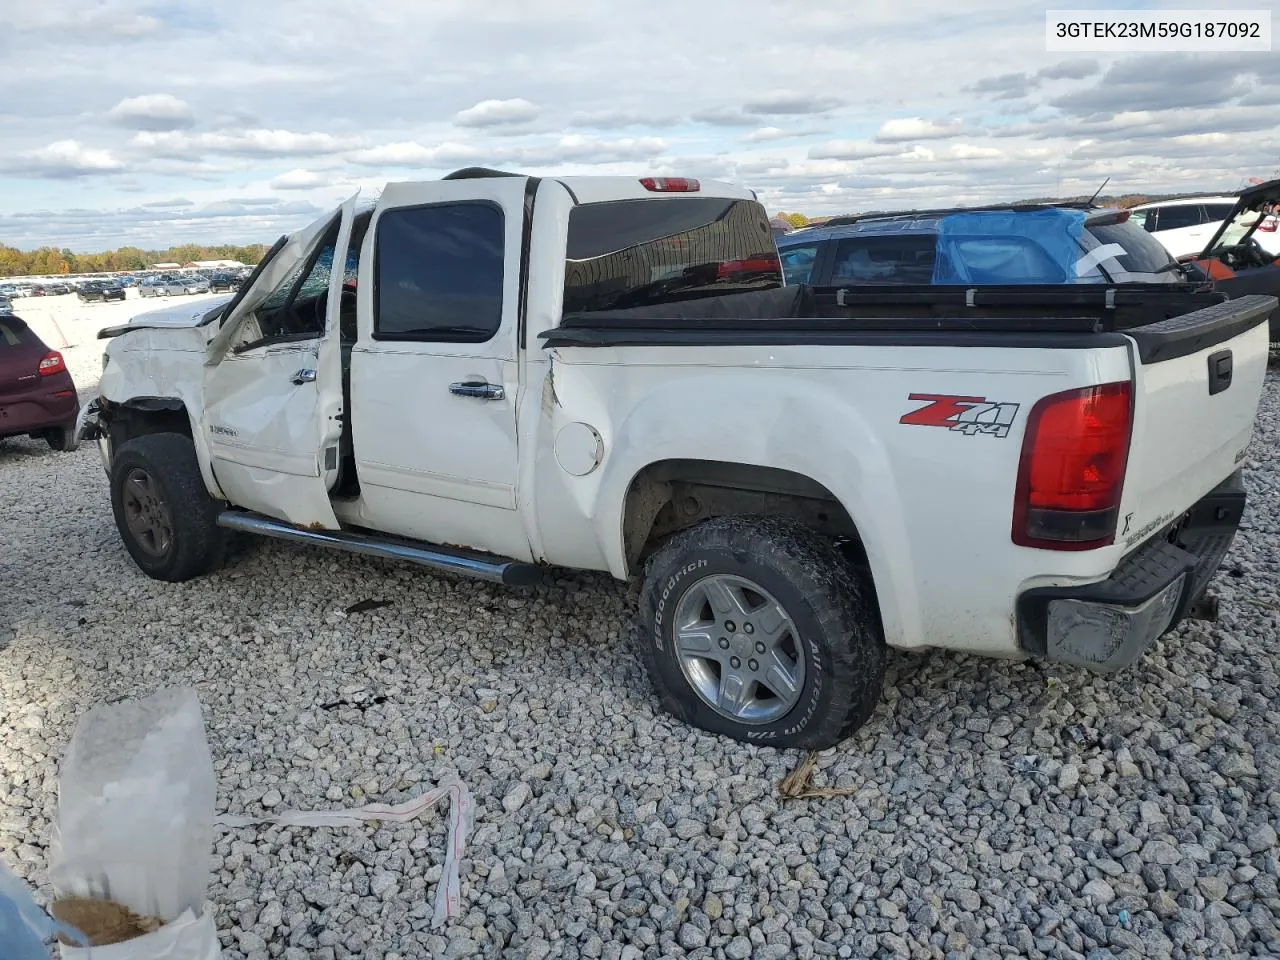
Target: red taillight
point(670, 184)
point(1072, 469)
point(51, 364)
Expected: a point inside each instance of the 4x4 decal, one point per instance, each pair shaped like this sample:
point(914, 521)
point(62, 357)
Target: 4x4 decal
point(967, 415)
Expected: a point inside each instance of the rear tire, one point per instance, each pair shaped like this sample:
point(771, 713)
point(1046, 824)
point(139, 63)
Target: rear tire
point(163, 511)
point(63, 439)
point(758, 629)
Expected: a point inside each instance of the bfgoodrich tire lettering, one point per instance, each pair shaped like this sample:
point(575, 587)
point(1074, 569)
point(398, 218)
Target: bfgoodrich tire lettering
point(178, 538)
point(834, 653)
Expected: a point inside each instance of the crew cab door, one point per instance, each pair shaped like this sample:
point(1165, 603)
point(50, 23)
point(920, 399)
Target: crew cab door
point(435, 369)
point(273, 381)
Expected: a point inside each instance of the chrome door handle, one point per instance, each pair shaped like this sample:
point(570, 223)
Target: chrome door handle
point(305, 375)
point(480, 391)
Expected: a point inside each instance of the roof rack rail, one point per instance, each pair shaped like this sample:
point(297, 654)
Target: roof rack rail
point(475, 173)
point(845, 220)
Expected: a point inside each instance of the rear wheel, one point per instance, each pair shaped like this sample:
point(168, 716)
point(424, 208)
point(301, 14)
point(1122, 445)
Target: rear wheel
point(758, 629)
point(164, 514)
point(63, 439)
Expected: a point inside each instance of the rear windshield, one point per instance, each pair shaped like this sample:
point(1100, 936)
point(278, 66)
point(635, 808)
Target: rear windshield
point(1142, 254)
point(14, 333)
point(638, 253)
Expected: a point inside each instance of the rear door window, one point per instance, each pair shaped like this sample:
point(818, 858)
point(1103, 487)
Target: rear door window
point(999, 260)
point(797, 263)
point(1217, 212)
point(639, 253)
point(890, 259)
point(439, 273)
point(1183, 215)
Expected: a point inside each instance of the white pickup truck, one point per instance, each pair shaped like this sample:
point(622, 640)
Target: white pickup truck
point(494, 373)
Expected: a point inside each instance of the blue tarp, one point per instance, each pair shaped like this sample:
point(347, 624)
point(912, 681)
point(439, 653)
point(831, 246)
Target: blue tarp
point(996, 247)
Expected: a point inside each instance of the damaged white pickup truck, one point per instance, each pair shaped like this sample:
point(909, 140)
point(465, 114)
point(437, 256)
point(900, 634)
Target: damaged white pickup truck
point(494, 373)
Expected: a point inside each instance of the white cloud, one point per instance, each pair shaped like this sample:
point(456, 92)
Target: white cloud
point(765, 134)
point(408, 89)
point(413, 155)
point(63, 159)
point(914, 128)
point(579, 149)
point(967, 151)
point(299, 180)
point(245, 143)
point(153, 111)
point(790, 104)
point(491, 113)
point(850, 150)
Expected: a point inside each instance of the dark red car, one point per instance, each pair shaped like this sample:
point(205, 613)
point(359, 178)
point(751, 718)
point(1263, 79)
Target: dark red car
point(37, 395)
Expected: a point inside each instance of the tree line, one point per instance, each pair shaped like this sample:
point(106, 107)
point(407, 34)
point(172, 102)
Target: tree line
point(50, 261)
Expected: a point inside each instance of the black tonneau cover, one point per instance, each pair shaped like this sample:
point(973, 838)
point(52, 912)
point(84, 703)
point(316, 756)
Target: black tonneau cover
point(1166, 319)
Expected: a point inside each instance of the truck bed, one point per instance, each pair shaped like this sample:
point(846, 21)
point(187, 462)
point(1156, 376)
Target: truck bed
point(1037, 316)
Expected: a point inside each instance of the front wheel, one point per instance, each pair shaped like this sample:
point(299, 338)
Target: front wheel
point(758, 629)
point(164, 514)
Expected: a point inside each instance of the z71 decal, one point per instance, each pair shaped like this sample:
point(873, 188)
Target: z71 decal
point(967, 415)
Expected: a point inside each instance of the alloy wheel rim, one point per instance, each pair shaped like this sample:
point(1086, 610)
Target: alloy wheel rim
point(147, 513)
point(739, 649)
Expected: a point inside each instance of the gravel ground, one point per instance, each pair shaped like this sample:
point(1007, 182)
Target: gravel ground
point(998, 809)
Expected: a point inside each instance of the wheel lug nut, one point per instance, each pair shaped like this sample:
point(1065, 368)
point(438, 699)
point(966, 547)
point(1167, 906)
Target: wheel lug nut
point(728, 625)
point(748, 628)
point(759, 647)
point(735, 662)
point(724, 643)
point(753, 665)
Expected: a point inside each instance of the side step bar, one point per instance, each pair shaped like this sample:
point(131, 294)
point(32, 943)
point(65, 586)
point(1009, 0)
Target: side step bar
point(496, 570)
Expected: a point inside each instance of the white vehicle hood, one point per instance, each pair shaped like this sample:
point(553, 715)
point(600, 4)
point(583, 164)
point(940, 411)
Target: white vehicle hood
point(187, 314)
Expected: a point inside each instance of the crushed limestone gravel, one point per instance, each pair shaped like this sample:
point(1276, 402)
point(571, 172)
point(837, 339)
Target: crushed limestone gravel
point(998, 809)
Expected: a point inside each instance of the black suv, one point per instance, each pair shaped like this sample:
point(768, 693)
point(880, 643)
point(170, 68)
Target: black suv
point(100, 290)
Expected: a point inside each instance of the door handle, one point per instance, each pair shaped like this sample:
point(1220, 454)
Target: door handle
point(480, 391)
point(305, 375)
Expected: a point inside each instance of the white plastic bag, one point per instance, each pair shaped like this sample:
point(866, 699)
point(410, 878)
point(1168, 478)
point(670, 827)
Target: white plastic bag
point(190, 937)
point(135, 821)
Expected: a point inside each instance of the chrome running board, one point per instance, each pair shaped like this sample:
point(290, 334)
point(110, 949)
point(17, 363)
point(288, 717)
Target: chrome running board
point(479, 566)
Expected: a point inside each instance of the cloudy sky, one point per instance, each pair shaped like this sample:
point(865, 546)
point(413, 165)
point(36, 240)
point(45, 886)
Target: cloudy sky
point(124, 121)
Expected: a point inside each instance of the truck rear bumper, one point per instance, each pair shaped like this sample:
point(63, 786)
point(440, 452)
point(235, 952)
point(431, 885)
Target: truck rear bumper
point(1106, 626)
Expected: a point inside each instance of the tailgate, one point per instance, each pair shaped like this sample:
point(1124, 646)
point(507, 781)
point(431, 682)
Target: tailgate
point(1197, 382)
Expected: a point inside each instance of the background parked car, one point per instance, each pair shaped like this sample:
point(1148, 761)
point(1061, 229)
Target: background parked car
point(6, 305)
point(99, 290)
point(220, 282)
point(163, 286)
point(1235, 257)
point(37, 394)
point(1183, 226)
point(980, 246)
point(195, 285)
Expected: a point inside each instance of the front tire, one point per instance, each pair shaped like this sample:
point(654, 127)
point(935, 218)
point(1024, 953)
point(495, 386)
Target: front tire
point(164, 514)
point(758, 629)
